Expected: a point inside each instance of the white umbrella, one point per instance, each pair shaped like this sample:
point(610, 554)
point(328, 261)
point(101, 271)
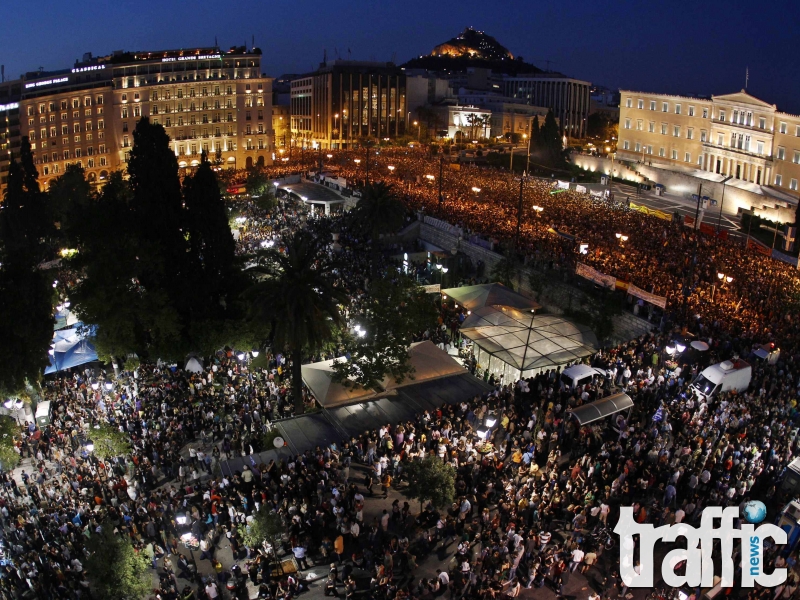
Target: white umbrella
point(699, 345)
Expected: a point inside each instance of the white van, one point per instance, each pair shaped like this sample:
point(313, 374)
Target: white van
point(578, 375)
point(43, 414)
point(722, 377)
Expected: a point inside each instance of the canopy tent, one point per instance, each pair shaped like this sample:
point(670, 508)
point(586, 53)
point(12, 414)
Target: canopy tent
point(600, 409)
point(428, 360)
point(194, 365)
point(70, 348)
point(473, 297)
point(519, 344)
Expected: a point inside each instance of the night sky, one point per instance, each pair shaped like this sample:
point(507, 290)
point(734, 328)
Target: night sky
point(671, 47)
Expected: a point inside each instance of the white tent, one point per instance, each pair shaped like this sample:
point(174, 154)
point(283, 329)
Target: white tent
point(429, 363)
point(518, 344)
point(194, 365)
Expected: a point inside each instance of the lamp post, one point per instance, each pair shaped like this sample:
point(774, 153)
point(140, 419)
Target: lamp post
point(723, 278)
point(621, 237)
point(722, 202)
point(419, 127)
point(519, 213)
point(336, 126)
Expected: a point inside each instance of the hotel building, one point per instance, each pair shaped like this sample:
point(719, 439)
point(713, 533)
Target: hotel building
point(735, 135)
point(206, 99)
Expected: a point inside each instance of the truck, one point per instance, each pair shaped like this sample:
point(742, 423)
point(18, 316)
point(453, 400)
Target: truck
point(722, 377)
point(767, 353)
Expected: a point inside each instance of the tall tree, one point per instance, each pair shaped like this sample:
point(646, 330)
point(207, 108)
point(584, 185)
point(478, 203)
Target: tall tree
point(26, 293)
point(431, 479)
point(130, 316)
point(296, 295)
point(395, 312)
point(550, 141)
point(378, 212)
point(68, 198)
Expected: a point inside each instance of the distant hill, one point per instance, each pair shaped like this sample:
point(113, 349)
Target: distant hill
point(472, 49)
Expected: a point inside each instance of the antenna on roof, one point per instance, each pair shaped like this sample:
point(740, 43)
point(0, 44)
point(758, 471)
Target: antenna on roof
point(746, 76)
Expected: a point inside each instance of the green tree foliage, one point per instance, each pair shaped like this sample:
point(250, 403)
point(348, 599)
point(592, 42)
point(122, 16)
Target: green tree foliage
point(114, 569)
point(257, 183)
point(26, 293)
point(159, 274)
point(378, 212)
point(395, 312)
point(9, 457)
point(68, 199)
point(130, 317)
point(296, 298)
point(266, 526)
point(601, 127)
point(431, 479)
point(109, 441)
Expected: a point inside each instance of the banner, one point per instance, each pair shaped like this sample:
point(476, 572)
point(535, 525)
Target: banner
point(622, 285)
point(651, 211)
point(580, 188)
point(659, 301)
point(607, 281)
point(563, 185)
point(754, 244)
point(792, 260)
point(432, 289)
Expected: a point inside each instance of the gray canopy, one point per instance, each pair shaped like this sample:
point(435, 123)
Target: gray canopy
point(599, 409)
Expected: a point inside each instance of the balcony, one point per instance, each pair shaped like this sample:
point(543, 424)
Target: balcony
point(742, 126)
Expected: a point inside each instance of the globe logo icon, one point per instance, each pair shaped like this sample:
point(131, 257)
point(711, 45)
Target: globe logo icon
point(755, 511)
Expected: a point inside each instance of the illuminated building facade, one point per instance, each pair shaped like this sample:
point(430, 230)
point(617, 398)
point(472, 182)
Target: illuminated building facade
point(734, 135)
point(206, 99)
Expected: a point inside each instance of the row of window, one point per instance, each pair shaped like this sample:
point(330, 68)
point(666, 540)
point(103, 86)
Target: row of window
point(738, 117)
point(90, 164)
point(75, 115)
point(131, 82)
point(65, 130)
point(64, 104)
point(192, 149)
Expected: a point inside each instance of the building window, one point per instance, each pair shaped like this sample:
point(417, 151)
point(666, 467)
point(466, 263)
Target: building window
point(625, 145)
point(649, 149)
point(663, 129)
point(651, 127)
point(674, 155)
point(661, 152)
point(691, 111)
point(796, 157)
point(722, 115)
point(781, 153)
point(677, 109)
point(702, 135)
point(638, 147)
point(760, 147)
point(687, 157)
point(102, 161)
point(705, 113)
point(783, 127)
point(665, 107)
point(676, 131)
point(720, 140)
point(793, 184)
point(652, 104)
point(640, 104)
point(797, 131)
point(125, 143)
point(627, 123)
point(778, 179)
point(689, 133)
point(638, 125)
point(628, 103)
point(762, 123)
point(124, 112)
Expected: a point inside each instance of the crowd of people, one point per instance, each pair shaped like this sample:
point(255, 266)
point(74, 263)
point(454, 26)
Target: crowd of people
point(535, 493)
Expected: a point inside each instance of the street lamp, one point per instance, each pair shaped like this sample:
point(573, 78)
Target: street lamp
point(621, 237)
point(430, 178)
point(538, 209)
point(476, 189)
point(391, 169)
point(419, 128)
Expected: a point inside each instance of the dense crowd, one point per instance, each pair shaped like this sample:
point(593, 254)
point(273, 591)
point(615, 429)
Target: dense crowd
point(535, 492)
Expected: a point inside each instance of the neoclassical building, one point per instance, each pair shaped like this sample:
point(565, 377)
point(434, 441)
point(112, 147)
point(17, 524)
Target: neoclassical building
point(734, 135)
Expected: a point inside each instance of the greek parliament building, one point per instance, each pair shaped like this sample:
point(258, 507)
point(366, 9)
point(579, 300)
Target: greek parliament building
point(206, 99)
point(735, 135)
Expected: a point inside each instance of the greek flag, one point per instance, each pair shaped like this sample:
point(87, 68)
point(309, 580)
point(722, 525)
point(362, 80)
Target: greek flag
point(659, 416)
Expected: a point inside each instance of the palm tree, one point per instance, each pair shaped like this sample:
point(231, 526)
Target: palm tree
point(378, 211)
point(297, 296)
